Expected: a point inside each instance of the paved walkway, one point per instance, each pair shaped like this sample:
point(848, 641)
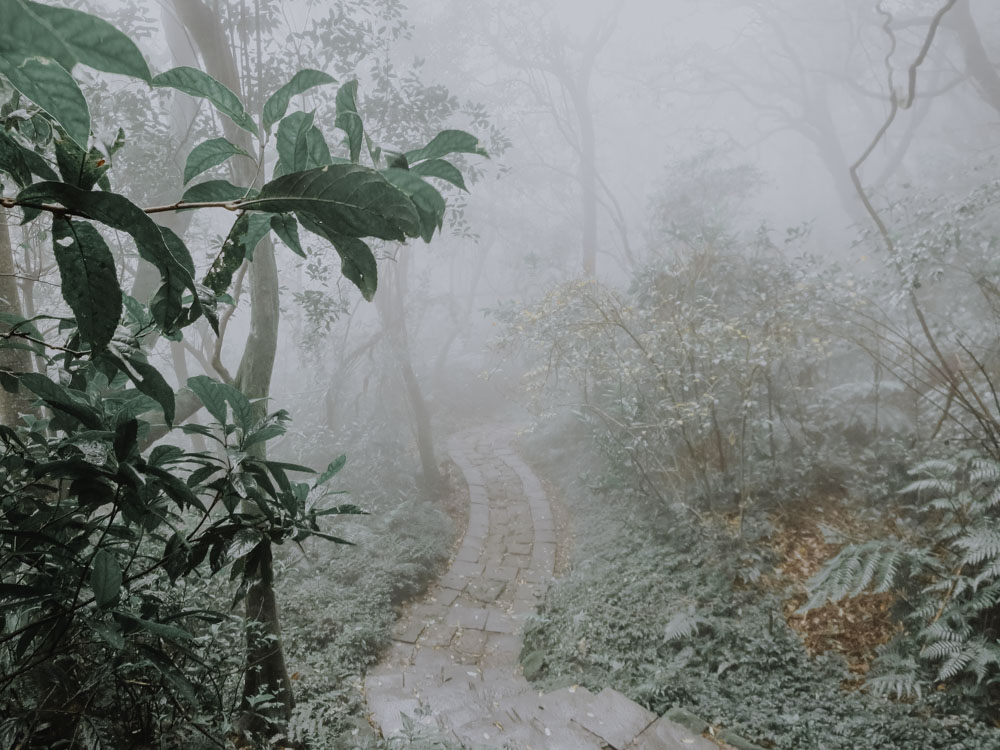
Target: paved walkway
point(454, 663)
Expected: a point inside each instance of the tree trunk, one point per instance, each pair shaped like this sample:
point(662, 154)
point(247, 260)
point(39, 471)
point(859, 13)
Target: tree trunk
point(267, 672)
point(977, 61)
point(12, 360)
point(391, 305)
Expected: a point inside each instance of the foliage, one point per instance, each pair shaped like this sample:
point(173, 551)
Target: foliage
point(699, 377)
point(97, 525)
point(945, 568)
point(625, 616)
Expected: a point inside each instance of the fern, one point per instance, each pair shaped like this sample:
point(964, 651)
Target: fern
point(682, 625)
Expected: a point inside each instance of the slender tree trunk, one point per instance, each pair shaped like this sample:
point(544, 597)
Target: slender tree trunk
point(266, 661)
point(977, 62)
point(391, 305)
point(12, 360)
point(588, 180)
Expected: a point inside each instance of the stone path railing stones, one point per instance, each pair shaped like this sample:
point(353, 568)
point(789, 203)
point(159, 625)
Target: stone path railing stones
point(454, 663)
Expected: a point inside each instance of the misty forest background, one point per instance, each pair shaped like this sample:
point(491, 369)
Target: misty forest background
point(733, 265)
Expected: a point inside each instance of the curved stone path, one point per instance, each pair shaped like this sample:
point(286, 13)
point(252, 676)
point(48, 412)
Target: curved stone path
point(454, 663)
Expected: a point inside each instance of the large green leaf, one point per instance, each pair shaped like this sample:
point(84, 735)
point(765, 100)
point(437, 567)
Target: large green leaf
point(230, 257)
point(348, 118)
point(77, 166)
point(346, 199)
point(198, 83)
point(63, 399)
point(213, 191)
point(21, 162)
point(49, 85)
point(292, 142)
point(23, 34)
point(105, 578)
point(118, 212)
point(89, 281)
point(357, 262)
point(427, 200)
point(93, 41)
point(287, 229)
point(277, 104)
point(13, 161)
point(208, 154)
point(331, 471)
point(211, 394)
point(447, 142)
point(443, 170)
point(148, 380)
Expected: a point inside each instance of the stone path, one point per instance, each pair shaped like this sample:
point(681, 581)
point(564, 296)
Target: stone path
point(454, 663)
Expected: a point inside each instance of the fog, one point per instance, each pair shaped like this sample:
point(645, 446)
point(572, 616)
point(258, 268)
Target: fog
point(701, 367)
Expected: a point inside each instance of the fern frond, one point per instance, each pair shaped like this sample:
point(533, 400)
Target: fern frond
point(936, 485)
point(981, 543)
point(682, 625)
point(984, 471)
point(954, 664)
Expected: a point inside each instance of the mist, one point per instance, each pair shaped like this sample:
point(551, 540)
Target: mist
point(524, 374)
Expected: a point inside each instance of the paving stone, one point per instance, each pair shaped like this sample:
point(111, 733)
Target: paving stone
point(466, 617)
point(387, 707)
point(445, 597)
point(664, 734)
point(466, 569)
point(468, 554)
point(500, 622)
point(437, 635)
point(471, 642)
point(453, 581)
point(545, 536)
point(616, 719)
point(501, 572)
point(486, 591)
point(517, 548)
point(408, 631)
point(517, 561)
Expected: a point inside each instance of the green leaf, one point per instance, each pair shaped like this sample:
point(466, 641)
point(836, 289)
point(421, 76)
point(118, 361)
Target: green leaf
point(291, 141)
point(277, 104)
point(347, 199)
point(23, 34)
point(300, 145)
point(89, 281)
point(93, 41)
point(80, 168)
point(63, 399)
point(208, 154)
point(357, 262)
point(213, 191)
point(150, 382)
point(200, 84)
point(427, 200)
point(447, 142)
point(51, 87)
point(257, 229)
point(109, 632)
point(116, 211)
point(230, 257)
point(287, 229)
point(212, 396)
point(331, 471)
point(105, 578)
point(349, 120)
point(13, 162)
point(243, 411)
point(156, 628)
point(443, 170)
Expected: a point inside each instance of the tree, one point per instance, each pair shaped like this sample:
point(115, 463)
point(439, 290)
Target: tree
point(92, 512)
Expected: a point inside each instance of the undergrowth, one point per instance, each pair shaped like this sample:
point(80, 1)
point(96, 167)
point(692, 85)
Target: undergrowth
point(658, 611)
